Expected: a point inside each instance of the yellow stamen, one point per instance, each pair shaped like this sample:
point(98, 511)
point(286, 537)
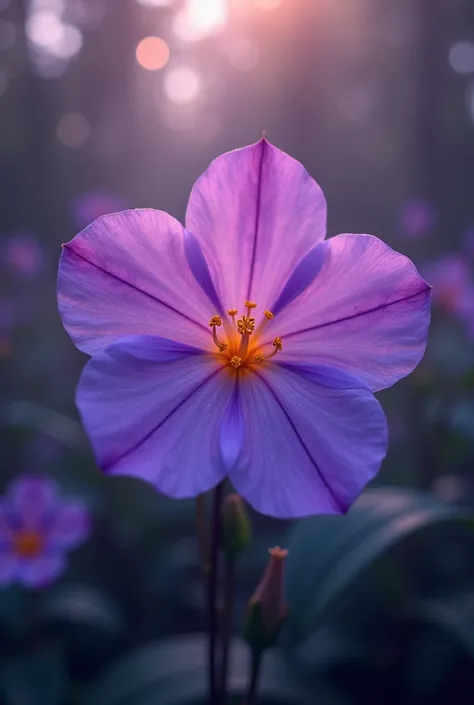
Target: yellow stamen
point(268, 314)
point(250, 304)
point(222, 346)
point(232, 312)
point(236, 361)
point(246, 325)
point(277, 346)
point(215, 321)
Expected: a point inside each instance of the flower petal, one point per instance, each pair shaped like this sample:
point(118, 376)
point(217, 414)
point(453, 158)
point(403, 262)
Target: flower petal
point(31, 499)
point(232, 430)
point(9, 565)
point(253, 207)
point(367, 311)
point(6, 528)
point(70, 526)
point(155, 414)
point(128, 273)
point(41, 571)
point(314, 437)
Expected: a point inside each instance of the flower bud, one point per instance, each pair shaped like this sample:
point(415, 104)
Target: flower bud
point(236, 529)
point(267, 608)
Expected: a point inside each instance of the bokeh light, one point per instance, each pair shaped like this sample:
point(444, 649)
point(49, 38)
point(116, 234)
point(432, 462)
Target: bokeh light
point(152, 53)
point(198, 20)
point(268, 4)
point(182, 85)
point(461, 57)
point(54, 5)
point(73, 130)
point(155, 3)
point(23, 254)
point(47, 32)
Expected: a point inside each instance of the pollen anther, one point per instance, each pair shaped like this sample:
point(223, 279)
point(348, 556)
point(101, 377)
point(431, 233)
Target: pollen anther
point(278, 344)
point(258, 358)
point(232, 312)
point(268, 314)
point(222, 346)
point(250, 304)
point(236, 361)
point(246, 325)
point(215, 321)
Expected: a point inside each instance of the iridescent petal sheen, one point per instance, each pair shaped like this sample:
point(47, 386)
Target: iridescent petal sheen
point(128, 273)
point(154, 414)
point(314, 437)
point(367, 311)
point(257, 213)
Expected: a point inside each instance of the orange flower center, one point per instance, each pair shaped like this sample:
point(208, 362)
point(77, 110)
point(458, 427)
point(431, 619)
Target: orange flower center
point(28, 544)
point(239, 347)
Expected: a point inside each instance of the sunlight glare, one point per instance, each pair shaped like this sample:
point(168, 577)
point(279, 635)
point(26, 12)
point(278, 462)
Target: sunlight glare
point(198, 19)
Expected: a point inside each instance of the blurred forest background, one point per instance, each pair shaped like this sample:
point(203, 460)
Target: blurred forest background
point(111, 104)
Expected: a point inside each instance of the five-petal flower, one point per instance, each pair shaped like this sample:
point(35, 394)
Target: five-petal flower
point(37, 528)
point(244, 344)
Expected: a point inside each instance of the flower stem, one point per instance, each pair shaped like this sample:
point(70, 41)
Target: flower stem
point(202, 535)
point(212, 592)
point(227, 622)
point(254, 676)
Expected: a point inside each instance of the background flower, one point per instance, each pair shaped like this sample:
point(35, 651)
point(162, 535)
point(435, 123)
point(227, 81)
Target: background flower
point(37, 529)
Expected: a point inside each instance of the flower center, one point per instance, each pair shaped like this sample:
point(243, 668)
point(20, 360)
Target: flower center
point(238, 347)
point(28, 544)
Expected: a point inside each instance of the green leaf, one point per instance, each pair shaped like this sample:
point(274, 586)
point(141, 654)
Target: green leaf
point(88, 623)
point(37, 679)
point(440, 646)
point(328, 554)
point(453, 614)
point(173, 672)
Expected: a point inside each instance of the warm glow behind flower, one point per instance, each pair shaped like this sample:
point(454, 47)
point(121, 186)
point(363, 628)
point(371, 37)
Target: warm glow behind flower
point(244, 345)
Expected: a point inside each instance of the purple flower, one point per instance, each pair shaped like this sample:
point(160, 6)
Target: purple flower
point(23, 254)
point(451, 281)
point(190, 382)
point(37, 529)
point(92, 205)
point(417, 219)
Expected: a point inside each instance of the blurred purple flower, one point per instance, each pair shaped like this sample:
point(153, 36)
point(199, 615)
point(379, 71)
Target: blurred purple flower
point(181, 393)
point(417, 219)
point(7, 317)
point(469, 241)
point(37, 529)
point(451, 282)
point(23, 254)
point(92, 205)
